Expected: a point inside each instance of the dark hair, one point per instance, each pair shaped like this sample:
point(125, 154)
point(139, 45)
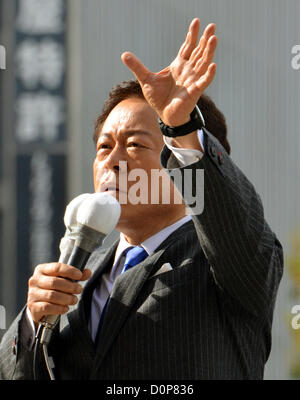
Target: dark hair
point(215, 121)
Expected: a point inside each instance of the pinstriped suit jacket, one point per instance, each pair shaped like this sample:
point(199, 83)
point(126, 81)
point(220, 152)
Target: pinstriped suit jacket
point(208, 318)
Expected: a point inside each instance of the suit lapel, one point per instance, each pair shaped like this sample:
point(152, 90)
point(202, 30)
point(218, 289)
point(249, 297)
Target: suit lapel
point(124, 293)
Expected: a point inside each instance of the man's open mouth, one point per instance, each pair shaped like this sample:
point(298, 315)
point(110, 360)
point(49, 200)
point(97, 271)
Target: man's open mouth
point(106, 187)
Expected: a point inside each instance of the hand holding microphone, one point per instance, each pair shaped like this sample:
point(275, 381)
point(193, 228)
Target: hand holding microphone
point(88, 218)
point(52, 288)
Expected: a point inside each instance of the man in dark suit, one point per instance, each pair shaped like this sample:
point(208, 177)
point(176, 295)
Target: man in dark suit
point(199, 303)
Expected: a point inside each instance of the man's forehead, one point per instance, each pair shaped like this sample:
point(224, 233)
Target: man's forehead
point(131, 116)
point(126, 124)
point(130, 110)
point(123, 115)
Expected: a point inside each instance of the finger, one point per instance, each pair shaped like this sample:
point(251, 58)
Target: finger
point(56, 283)
point(190, 40)
point(136, 66)
point(207, 78)
point(86, 274)
point(61, 270)
point(199, 50)
point(208, 32)
point(42, 308)
point(51, 296)
point(203, 63)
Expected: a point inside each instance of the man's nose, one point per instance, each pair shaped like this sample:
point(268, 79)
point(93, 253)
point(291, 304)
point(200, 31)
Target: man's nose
point(112, 161)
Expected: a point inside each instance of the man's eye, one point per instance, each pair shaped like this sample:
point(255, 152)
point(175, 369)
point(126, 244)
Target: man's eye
point(133, 144)
point(103, 146)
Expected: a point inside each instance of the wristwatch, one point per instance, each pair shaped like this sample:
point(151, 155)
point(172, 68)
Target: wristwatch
point(196, 122)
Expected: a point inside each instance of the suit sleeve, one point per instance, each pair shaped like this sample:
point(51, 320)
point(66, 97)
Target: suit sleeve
point(16, 358)
point(245, 256)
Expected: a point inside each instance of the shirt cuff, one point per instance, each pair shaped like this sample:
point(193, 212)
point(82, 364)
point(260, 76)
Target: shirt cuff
point(186, 156)
point(27, 333)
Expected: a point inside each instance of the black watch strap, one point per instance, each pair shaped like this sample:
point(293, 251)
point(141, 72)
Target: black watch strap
point(196, 122)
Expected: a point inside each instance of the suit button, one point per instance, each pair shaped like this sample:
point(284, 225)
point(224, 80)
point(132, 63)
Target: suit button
point(213, 151)
point(220, 158)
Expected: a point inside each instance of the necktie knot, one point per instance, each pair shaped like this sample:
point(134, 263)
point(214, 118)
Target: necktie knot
point(134, 256)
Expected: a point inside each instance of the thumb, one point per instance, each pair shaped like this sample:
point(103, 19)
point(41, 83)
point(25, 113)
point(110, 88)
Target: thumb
point(136, 66)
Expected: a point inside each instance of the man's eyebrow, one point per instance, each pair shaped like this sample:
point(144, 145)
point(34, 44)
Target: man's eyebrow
point(129, 133)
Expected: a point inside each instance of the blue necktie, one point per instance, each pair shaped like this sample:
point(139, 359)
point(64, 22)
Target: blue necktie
point(134, 255)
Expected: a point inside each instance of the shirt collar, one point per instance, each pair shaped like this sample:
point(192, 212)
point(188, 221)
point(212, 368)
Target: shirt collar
point(150, 244)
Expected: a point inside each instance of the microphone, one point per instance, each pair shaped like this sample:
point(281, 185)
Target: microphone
point(70, 219)
point(88, 218)
point(96, 217)
point(67, 242)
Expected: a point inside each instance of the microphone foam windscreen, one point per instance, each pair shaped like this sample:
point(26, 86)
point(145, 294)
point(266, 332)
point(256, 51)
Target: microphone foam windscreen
point(70, 217)
point(100, 211)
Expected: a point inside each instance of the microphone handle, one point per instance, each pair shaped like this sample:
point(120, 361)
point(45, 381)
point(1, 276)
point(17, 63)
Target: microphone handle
point(78, 258)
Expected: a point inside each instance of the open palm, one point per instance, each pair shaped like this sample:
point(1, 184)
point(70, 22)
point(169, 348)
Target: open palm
point(174, 91)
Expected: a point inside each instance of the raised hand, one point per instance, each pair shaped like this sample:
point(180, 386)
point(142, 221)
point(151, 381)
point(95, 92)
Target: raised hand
point(174, 91)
